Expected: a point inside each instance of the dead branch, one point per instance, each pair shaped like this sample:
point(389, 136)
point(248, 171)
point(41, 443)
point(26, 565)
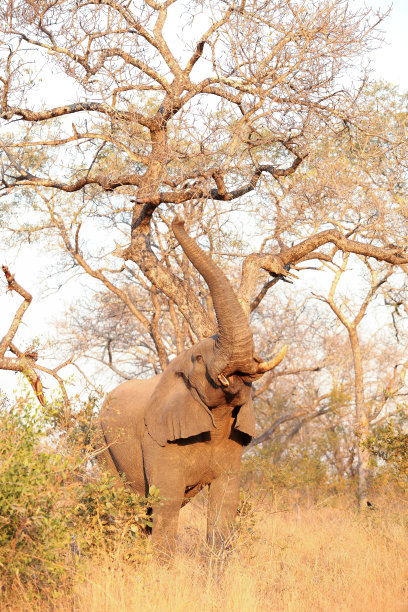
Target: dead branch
point(267, 434)
point(26, 361)
point(278, 265)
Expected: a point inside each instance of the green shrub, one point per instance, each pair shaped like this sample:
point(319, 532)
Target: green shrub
point(34, 523)
point(56, 508)
point(112, 519)
point(295, 470)
point(390, 444)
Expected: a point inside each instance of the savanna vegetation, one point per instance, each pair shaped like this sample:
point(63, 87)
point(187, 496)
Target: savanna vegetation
point(71, 540)
point(259, 124)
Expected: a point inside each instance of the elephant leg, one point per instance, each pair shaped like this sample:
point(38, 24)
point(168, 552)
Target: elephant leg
point(222, 508)
point(165, 517)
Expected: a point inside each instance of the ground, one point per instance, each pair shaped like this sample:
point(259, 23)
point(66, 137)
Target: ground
point(295, 557)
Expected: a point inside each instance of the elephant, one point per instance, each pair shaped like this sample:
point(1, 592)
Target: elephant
point(186, 428)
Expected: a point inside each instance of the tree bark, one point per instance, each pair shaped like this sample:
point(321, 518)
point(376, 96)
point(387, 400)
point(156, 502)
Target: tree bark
point(361, 419)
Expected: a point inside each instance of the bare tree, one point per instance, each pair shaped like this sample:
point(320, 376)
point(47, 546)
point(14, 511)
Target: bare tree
point(351, 318)
point(247, 119)
point(152, 125)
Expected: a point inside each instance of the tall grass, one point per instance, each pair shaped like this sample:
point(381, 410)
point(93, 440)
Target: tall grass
point(304, 559)
point(317, 558)
point(300, 546)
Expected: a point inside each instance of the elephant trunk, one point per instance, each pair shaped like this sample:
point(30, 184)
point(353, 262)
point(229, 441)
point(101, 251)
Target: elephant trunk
point(234, 347)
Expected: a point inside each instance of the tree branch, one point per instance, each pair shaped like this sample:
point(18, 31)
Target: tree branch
point(266, 435)
point(25, 361)
point(289, 256)
point(68, 109)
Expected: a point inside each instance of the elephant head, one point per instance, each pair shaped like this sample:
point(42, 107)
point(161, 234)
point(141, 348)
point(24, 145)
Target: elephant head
point(217, 371)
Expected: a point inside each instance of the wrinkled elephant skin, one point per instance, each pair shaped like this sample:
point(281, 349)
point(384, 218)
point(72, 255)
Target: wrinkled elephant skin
point(186, 428)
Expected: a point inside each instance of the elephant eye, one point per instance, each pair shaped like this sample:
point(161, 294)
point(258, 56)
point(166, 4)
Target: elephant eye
point(199, 357)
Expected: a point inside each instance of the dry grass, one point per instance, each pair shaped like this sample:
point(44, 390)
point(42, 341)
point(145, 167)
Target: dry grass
point(317, 559)
point(320, 558)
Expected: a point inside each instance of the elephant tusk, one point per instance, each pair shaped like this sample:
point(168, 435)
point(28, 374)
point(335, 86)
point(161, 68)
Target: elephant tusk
point(265, 366)
point(223, 380)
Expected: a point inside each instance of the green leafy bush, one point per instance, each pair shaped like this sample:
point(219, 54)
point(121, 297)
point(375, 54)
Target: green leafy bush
point(34, 523)
point(112, 519)
point(56, 508)
point(390, 444)
point(298, 470)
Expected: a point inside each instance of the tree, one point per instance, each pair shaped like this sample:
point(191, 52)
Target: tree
point(147, 125)
point(250, 121)
point(351, 322)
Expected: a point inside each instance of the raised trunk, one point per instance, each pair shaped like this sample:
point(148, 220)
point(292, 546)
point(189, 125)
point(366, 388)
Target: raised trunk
point(234, 348)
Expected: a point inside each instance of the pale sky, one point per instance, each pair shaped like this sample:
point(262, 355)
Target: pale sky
point(389, 64)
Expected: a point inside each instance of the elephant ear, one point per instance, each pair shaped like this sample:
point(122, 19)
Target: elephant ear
point(245, 419)
point(176, 412)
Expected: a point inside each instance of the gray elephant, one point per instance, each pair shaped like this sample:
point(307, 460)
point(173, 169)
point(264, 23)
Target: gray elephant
point(185, 428)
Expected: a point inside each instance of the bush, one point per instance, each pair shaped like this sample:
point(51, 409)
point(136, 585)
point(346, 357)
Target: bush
point(34, 524)
point(297, 470)
point(390, 444)
point(111, 519)
point(55, 506)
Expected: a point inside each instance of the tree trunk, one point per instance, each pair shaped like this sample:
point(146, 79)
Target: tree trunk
point(140, 250)
point(361, 420)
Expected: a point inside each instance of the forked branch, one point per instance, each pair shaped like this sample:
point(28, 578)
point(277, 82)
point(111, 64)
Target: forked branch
point(26, 361)
point(279, 265)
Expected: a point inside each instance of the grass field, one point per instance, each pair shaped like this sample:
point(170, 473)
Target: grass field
point(318, 558)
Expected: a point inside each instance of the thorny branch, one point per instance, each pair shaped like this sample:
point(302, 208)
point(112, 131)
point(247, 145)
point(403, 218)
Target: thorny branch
point(26, 361)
